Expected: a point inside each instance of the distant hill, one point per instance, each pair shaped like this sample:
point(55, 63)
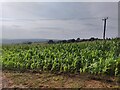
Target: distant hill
point(15, 41)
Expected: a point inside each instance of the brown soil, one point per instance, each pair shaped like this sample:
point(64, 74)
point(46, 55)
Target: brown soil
point(48, 80)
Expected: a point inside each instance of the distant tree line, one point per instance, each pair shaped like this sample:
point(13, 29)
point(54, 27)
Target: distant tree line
point(75, 40)
point(70, 40)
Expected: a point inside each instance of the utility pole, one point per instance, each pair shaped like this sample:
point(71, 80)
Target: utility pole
point(105, 21)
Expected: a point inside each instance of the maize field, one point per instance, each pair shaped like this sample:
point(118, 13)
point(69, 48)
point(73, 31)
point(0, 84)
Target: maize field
point(97, 57)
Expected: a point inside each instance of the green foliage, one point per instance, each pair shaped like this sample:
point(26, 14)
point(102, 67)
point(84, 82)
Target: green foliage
point(98, 57)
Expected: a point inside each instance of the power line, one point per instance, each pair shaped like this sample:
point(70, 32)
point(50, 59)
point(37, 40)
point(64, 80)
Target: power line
point(85, 18)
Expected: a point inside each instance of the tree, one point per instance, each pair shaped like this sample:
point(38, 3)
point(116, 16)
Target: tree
point(78, 39)
point(50, 41)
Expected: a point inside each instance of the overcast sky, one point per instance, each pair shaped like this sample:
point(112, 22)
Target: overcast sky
point(58, 20)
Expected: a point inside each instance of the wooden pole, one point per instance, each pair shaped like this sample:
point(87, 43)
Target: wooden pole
point(105, 20)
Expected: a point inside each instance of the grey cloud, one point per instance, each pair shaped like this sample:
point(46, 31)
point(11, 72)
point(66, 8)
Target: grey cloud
point(57, 10)
point(16, 26)
point(63, 19)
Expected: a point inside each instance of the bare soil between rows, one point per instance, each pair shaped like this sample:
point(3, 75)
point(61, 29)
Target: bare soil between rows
point(13, 79)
